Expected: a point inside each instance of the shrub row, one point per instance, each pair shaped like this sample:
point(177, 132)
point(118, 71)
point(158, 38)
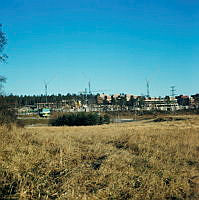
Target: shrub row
point(7, 115)
point(80, 119)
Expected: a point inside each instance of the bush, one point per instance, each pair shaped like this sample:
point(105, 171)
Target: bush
point(80, 119)
point(7, 115)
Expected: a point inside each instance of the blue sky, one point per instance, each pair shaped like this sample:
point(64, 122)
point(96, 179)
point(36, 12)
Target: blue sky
point(116, 44)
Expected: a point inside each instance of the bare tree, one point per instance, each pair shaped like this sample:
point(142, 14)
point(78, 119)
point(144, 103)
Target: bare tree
point(3, 57)
point(3, 42)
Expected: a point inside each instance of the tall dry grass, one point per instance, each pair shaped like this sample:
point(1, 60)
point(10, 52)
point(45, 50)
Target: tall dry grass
point(139, 160)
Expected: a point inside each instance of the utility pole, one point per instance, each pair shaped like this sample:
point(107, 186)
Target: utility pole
point(86, 96)
point(89, 87)
point(148, 88)
point(46, 92)
point(173, 90)
point(46, 83)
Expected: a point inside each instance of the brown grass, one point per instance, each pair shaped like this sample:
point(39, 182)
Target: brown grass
point(139, 160)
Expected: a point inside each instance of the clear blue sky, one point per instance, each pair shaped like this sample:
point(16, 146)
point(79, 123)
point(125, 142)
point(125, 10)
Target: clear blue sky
point(116, 44)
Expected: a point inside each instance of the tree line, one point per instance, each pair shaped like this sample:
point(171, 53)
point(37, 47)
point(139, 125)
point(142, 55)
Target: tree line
point(23, 100)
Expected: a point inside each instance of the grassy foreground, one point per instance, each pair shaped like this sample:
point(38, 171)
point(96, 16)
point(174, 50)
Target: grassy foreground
point(139, 160)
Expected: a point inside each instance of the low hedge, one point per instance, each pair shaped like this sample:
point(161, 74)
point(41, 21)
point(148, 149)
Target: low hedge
point(80, 119)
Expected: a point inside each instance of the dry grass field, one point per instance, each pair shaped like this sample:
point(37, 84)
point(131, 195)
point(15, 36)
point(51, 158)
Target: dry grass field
point(138, 160)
